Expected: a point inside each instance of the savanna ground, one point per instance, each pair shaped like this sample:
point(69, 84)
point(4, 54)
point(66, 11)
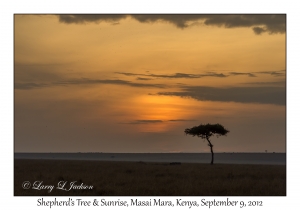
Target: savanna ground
point(149, 179)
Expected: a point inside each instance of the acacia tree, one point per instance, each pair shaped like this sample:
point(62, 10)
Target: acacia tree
point(205, 132)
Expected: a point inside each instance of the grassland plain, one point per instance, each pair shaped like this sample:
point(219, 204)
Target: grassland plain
point(112, 178)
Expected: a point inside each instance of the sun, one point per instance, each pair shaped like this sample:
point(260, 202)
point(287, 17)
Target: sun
point(158, 113)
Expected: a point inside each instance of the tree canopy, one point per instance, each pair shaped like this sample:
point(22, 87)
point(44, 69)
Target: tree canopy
point(206, 131)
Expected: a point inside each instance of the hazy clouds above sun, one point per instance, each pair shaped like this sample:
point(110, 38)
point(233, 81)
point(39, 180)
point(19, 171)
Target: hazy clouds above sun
point(133, 83)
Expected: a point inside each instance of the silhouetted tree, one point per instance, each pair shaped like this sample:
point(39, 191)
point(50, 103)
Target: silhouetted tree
point(205, 132)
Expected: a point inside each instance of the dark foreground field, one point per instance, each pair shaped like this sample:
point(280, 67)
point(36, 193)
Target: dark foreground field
point(146, 179)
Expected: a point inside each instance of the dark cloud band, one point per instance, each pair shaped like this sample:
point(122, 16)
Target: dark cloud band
point(156, 121)
point(207, 74)
point(85, 81)
point(259, 23)
point(262, 95)
point(176, 75)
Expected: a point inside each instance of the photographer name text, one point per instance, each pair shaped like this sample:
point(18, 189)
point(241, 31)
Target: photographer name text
point(61, 185)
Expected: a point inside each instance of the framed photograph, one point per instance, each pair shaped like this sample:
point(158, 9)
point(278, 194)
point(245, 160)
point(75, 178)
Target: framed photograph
point(150, 105)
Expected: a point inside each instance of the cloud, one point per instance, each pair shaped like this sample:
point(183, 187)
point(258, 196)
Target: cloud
point(260, 23)
point(240, 73)
point(180, 21)
point(85, 81)
point(156, 121)
point(130, 74)
point(29, 85)
point(258, 30)
point(144, 121)
point(113, 82)
point(283, 82)
point(180, 120)
point(42, 72)
point(263, 95)
point(273, 73)
point(176, 75)
point(90, 18)
point(142, 78)
point(207, 74)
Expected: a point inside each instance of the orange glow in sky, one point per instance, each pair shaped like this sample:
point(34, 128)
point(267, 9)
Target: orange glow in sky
point(89, 83)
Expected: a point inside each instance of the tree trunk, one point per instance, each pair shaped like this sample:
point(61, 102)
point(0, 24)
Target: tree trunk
point(211, 150)
point(212, 155)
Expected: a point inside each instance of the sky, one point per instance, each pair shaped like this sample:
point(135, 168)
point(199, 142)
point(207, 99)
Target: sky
point(134, 83)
